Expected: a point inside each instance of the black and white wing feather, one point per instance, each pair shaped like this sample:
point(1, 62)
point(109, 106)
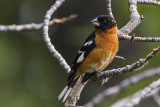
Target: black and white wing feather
point(88, 45)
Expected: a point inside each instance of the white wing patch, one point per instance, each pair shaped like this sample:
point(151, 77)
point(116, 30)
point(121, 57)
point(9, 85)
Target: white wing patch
point(80, 59)
point(79, 52)
point(88, 43)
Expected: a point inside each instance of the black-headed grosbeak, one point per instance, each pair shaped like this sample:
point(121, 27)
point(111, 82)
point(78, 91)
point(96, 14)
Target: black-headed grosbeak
point(97, 52)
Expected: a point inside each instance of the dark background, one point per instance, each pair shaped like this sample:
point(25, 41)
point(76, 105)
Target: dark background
point(31, 77)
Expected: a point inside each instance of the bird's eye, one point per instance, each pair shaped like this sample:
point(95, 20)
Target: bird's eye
point(104, 21)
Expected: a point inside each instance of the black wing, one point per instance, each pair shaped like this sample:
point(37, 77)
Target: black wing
point(88, 45)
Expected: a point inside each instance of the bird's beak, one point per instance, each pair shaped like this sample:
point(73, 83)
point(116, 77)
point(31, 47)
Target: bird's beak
point(95, 22)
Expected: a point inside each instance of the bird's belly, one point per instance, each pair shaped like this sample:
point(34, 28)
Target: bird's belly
point(104, 63)
point(97, 61)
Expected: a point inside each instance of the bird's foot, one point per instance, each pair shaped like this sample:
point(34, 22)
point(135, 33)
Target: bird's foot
point(97, 72)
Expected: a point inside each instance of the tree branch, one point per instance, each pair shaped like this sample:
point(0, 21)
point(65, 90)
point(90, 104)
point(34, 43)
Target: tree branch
point(143, 94)
point(122, 36)
point(123, 84)
point(124, 101)
point(47, 40)
point(109, 9)
point(148, 2)
point(128, 68)
point(33, 26)
point(135, 18)
point(75, 93)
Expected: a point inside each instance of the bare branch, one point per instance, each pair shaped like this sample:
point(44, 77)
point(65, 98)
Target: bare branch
point(33, 26)
point(125, 83)
point(109, 9)
point(143, 94)
point(128, 68)
point(120, 57)
point(135, 18)
point(122, 102)
point(122, 36)
point(75, 94)
point(148, 2)
point(47, 40)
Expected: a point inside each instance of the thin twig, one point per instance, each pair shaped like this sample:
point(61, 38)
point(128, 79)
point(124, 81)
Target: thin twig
point(143, 94)
point(128, 68)
point(47, 40)
point(33, 26)
point(122, 36)
point(120, 57)
point(132, 37)
point(148, 2)
point(125, 83)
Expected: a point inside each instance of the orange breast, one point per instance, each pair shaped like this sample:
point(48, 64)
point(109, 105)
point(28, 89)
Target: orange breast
point(103, 54)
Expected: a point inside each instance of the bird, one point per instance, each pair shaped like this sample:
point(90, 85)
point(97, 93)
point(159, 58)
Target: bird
point(98, 50)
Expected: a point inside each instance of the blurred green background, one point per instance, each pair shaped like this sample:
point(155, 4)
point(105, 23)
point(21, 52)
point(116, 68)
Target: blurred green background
point(31, 77)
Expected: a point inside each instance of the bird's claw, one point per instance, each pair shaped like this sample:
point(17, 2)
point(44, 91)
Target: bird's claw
point(97, 72)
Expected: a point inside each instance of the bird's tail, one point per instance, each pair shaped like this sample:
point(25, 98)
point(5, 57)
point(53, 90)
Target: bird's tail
point(67, 90)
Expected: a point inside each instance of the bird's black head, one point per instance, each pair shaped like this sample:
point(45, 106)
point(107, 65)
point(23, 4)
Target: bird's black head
point(103, 22)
